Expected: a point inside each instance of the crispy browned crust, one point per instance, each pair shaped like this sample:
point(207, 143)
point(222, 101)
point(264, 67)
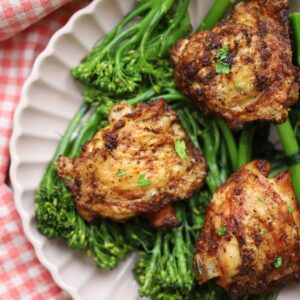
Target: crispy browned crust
point(257, 36)
point(165, 218)
point(260, 228)
point(139, 141)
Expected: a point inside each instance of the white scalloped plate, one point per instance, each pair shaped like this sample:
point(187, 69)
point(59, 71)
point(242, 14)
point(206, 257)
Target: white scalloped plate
point(49, 99)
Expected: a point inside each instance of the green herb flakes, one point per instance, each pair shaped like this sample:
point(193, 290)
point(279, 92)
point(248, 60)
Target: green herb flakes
point(261, 233)
point(290, 209)
point(143, 181)
point(180, 148)
point(239, 88)
point(261, 200)
point(222, 230)
point(278, 262)
point(222, 53)
point(222, 67)
point(121, 173)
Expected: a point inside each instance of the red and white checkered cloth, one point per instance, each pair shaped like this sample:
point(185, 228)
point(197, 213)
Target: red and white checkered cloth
point(21, 274)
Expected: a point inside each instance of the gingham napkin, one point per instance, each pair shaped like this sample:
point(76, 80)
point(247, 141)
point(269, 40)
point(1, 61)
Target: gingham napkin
point(21, 274)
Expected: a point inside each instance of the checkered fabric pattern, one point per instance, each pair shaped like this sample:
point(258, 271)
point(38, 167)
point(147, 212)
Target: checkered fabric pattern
point(16, 15)
point(21, 274)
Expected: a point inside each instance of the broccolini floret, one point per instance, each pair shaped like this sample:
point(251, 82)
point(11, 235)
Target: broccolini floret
point(135, 50)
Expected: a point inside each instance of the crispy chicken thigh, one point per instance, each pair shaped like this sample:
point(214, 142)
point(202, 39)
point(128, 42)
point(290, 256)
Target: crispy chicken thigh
point(250, 242)
point(131, 167)
point(242, 69)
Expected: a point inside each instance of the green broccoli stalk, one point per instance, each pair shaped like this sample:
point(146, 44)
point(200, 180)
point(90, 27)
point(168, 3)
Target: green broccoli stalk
point(245, 145)
point(230, 143)
point(205, 134)
point(135, 50)
point(291, 148)
point(215, 13)
point(285, 130)
point(166, 272)
point(295, 22)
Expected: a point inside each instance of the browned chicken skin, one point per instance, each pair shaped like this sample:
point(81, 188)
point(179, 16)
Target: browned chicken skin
point(164, 218)
point(261, 83)
point(131, 166)
point(250, 242)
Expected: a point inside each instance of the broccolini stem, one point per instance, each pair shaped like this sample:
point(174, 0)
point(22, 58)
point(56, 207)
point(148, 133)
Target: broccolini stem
point(142, 97)
point(185, 120)
point(278, 170)
point(64, 142)
point(83, 109)
point(170, 271)
point(86, 133)
point(150, 95)
point(290, 147)
point(112, 38)
point(118, 38)
point(145, 288)
point(211, 145)
point(215, 13)
point(230, 142)
point(154, 19)
point(295, 22)
point(182, 251)
point(285, 130)
point(173, 96)
point(245, 145)
point(223, 162)
point(180, 14)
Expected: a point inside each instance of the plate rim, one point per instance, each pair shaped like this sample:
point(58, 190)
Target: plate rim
point(17, 132)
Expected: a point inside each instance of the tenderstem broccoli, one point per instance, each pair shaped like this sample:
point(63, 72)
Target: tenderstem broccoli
point(295, 22)
point(136, 49)
point(216, 12)
point(285, 130)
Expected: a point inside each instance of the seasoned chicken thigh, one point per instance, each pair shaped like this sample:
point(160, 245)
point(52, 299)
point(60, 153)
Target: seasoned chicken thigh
point(250, 242)
point(138, 164)
point(242, 69)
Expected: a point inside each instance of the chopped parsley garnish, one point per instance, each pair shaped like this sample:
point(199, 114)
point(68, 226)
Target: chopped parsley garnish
point(222, 53)
point(221, 65)
point(143, 181)
point(261, 233)
point(239, 88)
point(222, 230)
point(262, 200)
point(290, 209)
point(69, 177)
point(121, 173)
point(278, 262)
point(180, 148)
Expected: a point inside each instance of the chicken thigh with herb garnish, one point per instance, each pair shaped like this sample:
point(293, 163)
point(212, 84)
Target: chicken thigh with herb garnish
point(250, 242)
point(138, 164)
point(242, 69)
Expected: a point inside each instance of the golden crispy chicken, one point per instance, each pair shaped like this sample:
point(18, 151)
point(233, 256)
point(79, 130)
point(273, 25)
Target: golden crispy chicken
point(250, 242)
point(242, 69)
point(138, 164)
point(165, 218)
